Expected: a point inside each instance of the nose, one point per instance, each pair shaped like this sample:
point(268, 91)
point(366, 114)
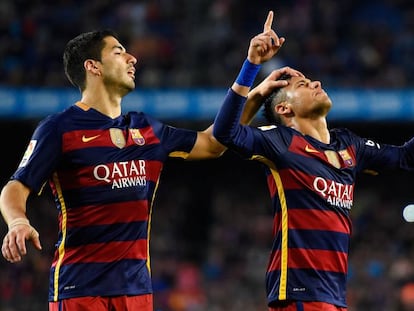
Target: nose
point(316, 84)
point(132, 59)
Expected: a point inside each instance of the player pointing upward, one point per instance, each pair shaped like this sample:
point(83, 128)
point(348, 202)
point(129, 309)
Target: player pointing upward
point(311, 172)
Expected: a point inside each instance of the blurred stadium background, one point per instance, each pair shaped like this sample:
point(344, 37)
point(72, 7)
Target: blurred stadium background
point(211, 229)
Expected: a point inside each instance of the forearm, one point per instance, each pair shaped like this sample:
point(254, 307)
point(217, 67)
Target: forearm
point(228, 117)
point(13, 201)
point(251, 107)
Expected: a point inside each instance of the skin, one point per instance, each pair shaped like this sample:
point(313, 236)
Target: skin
point(306, 108)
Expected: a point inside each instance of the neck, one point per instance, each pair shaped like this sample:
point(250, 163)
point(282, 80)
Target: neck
point(317, 129)
point(107, 103)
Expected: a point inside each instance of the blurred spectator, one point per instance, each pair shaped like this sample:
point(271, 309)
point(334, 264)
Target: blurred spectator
point(181, 43)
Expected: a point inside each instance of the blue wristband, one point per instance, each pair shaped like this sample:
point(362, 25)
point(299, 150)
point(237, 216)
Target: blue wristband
point(247, 73)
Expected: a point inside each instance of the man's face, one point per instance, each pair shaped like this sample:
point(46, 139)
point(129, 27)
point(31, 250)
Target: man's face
point(307, 98)
point(118, 66)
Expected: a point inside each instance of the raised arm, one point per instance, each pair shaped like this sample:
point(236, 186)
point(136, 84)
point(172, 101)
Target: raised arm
point(262, 48)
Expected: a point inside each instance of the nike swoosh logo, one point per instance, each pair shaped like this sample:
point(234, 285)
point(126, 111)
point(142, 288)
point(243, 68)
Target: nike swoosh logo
point(310, 150)
point(88, 139)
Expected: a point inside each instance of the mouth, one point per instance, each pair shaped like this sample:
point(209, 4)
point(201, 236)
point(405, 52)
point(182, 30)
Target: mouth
point(131, 73)
point(321, 91)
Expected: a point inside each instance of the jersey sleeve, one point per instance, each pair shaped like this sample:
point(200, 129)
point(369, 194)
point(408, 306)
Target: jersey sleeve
point(380, 157)
point(177, 142)
point(41, 155)
point(246, 140)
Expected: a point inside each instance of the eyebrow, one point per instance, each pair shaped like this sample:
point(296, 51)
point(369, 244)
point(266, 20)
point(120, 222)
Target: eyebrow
point(120, 47)
point(302, 80)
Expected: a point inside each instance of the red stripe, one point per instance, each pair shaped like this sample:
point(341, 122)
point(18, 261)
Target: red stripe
point(323, 260)
point(294, 179)
point(102, 215)
point(312, 219)
point(271, 183)
point(149, 136)
point(291, 180)
point(73, 140)
point(72, 179)
point(105, 252)
point(299, 145)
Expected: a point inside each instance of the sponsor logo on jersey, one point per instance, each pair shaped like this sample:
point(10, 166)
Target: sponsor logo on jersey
point(88, 139)
point(335, 193)
point(310, 149)
point(28, 153)
point(137, 137)
point(122, 174)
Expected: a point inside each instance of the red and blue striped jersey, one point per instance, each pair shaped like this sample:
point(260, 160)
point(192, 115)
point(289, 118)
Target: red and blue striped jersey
point(311, 186)
point(103, 173)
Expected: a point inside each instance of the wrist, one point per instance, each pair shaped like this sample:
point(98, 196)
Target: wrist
point(18, 221)
point(247, 73)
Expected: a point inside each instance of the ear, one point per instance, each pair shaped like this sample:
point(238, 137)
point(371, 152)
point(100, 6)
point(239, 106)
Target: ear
point(92, 67)
point(284, 109)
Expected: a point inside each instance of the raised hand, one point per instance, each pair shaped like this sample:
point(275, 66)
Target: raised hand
point(266, 44)
point(272, 82)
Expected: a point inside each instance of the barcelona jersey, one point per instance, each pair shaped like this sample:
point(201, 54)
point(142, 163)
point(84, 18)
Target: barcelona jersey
point(103, 173)
point(311, 186)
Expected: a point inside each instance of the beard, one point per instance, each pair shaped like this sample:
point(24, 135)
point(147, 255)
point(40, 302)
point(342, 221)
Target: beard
point(119, 86)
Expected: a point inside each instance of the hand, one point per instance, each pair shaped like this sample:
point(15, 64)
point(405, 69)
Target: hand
point(271, 82)
point(266, 44)
point(14, 243)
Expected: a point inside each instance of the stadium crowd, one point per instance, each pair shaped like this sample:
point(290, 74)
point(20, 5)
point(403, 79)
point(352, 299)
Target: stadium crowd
point(200, 43)
point(211, 231)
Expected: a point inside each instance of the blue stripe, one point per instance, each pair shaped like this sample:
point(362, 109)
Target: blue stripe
point(329, 287)
point(96, 195)
point(319, 239)
point(314, 239)
point(299, 306)
point(125, 277)
point(106, 233)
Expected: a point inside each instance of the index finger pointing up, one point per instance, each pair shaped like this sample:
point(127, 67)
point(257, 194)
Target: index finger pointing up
point(269, 21)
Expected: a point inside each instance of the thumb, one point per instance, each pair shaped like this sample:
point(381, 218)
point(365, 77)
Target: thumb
point(34, 237)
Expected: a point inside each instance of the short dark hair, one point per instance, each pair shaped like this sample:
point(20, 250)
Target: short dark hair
point(272, 100)
point(85, 46)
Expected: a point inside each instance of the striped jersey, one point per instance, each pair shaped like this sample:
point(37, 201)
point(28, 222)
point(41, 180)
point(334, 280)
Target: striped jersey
point(103, 173)
point(311, 185)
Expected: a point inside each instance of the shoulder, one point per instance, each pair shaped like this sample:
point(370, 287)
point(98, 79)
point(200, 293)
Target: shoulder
point(343, 132)
point(141, 119)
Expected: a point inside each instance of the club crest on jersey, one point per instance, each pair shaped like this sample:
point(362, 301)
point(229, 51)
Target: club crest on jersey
point(117, 137)
point(137, 137)
point(346, 157)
